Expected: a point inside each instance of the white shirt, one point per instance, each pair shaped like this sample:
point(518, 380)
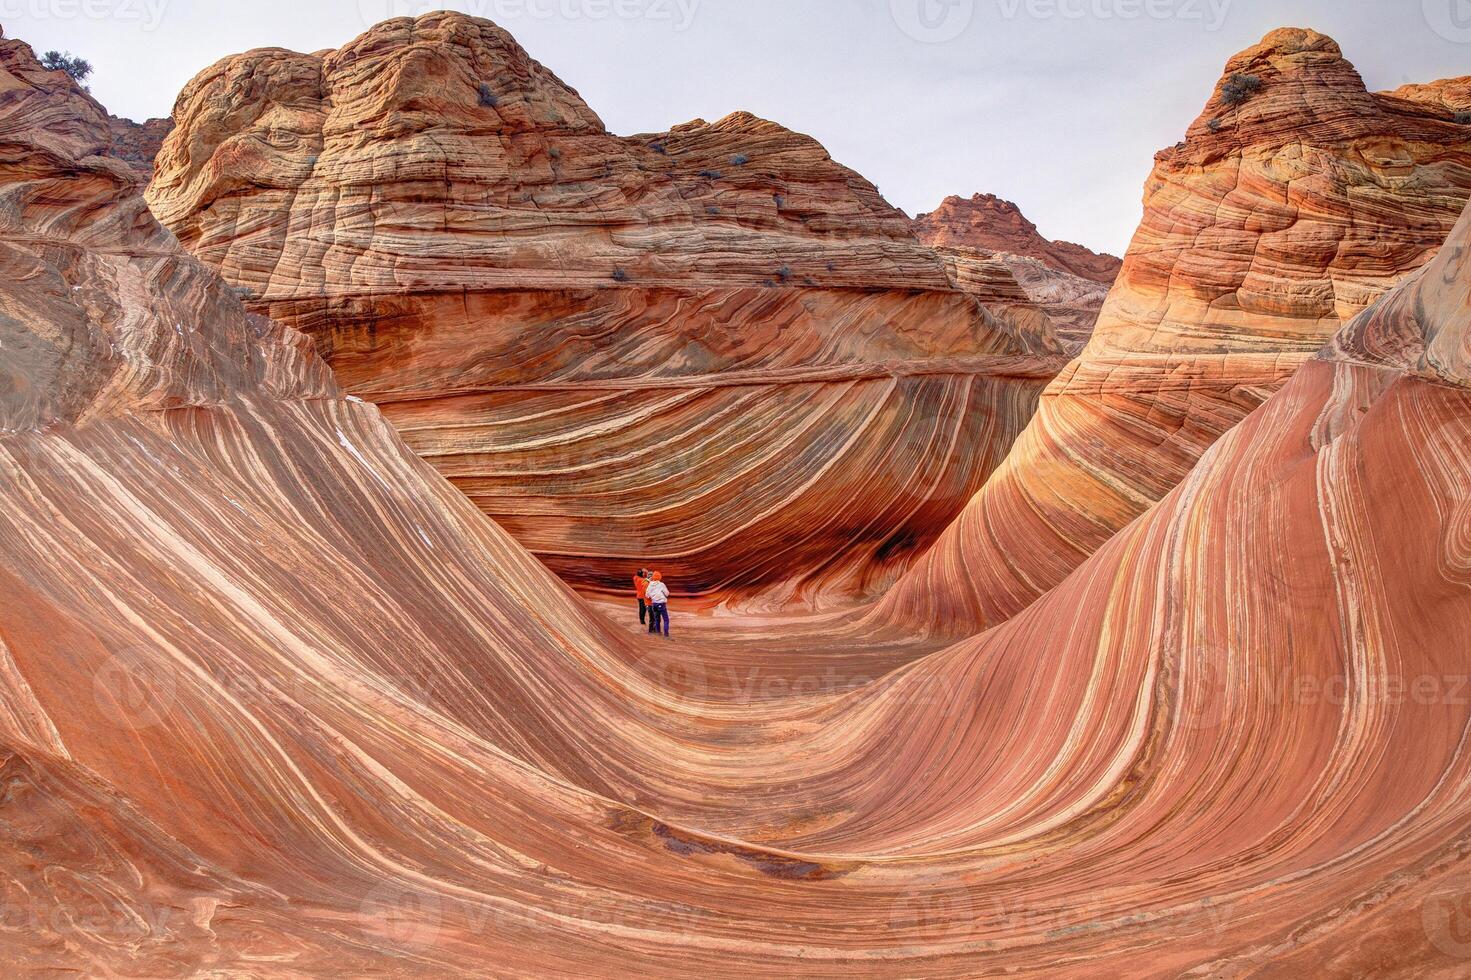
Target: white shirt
point(657, 592)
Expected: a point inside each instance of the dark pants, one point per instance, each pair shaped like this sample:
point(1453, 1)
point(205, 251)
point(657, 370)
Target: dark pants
point(659, 618)
point(643, 611)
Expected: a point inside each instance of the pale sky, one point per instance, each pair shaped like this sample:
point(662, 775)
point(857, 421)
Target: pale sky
point(1058, 105)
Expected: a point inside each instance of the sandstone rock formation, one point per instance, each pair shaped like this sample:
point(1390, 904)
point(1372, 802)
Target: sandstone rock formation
point(1280, 216)
point(1071, 303)
point(986, 223)
point(274, 698)
point(1452, 94)
point(1033, 296)
point(980, 237)
point(714, 349)
point(139, 143)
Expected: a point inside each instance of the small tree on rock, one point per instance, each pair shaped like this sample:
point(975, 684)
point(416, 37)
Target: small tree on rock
point(77, 68)
point(1238, 88)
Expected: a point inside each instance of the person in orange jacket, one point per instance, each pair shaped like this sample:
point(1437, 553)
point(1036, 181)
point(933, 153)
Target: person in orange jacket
point(658, 596)
point(641, 589)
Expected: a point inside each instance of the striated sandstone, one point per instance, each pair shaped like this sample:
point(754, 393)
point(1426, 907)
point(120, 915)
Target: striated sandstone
point(1276, 220)
point(1072, 303)
point(1451, 94)
point(714, 349)
point(1029, 294)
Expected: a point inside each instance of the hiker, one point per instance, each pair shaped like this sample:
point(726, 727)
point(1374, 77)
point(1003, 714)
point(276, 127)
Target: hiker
point(641, 589)
point(658, 596)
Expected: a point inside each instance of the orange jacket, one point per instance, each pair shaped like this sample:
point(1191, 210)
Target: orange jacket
point(640, 586)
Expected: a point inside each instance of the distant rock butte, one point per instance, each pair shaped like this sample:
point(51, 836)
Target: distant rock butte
point(1451, 94)
point(1279, 217)
point(702, 349)
point(985, 238)
point(138, 143)
point(987, 223)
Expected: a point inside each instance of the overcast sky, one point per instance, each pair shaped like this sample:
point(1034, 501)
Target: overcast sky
point(1058, 105)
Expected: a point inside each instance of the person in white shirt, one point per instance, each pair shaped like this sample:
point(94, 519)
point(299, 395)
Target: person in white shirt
point(658, 595)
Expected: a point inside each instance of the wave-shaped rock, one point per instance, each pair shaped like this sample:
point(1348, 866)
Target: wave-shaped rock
point(1295, 201)
point(712, 349)
point(275, 698)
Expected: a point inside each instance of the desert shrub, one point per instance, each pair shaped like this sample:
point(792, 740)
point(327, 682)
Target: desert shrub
point(77, 68)
point(781, 202)
point(1238, 88)
point(784, 274)
point(659, 148)
point(1214, 125)
point(740, 160)
point(621, 275)
point(488, 98)
point(1464, 118)
point(711, 174)
point(555, 153)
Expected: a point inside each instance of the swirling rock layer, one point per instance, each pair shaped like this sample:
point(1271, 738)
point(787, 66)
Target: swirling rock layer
point(275, 698)
point(690, 349)
point(1295, 201)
